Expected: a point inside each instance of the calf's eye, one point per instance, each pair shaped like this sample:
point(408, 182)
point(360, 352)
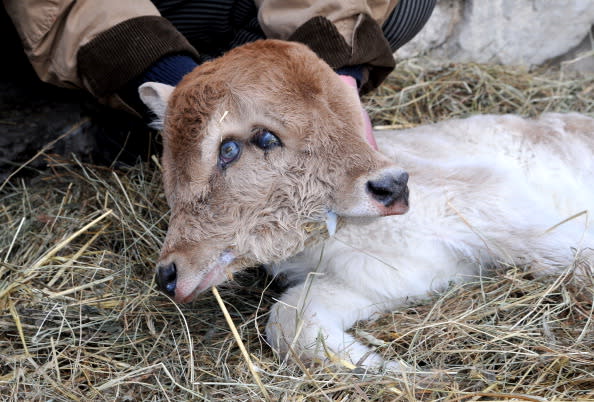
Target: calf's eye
point(265, 140)
point(229, 152)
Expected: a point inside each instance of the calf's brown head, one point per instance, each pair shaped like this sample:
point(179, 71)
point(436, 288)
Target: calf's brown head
point(258, 145)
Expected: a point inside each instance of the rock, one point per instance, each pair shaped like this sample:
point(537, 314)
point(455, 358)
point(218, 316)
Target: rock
point(508, 32)
point(579, 59)
point(438, 31)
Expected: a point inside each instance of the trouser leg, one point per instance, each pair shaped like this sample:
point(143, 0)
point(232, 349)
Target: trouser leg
point(407, 19)
point(213, 26)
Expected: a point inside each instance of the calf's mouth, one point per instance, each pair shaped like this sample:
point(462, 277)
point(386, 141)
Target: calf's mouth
point(184, 286)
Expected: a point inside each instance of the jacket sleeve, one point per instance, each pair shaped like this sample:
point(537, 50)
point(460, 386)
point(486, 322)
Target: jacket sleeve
point(95, 45)
point(342, 32)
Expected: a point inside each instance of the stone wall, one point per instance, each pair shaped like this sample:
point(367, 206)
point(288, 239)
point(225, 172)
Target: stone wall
point(512, 32)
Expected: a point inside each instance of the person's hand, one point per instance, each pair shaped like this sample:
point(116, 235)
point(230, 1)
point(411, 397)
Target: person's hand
point(352, 82)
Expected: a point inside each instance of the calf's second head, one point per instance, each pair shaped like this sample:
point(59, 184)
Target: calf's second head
point(258, 145)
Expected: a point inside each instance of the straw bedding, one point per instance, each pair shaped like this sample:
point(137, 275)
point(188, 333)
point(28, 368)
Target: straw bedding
point(80, 318)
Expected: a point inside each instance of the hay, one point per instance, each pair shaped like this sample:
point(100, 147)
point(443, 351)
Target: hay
point(81, 319)
point(416, 95)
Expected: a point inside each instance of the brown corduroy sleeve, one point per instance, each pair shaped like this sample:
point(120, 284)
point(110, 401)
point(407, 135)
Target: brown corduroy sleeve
point(119, 54)
point(370, 48)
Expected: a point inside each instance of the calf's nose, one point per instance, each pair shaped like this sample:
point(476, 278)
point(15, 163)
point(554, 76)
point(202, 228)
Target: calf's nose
point(167, 278)
point(388, 188)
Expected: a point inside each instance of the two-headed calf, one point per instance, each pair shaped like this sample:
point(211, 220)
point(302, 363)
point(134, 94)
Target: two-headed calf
point(266, 142)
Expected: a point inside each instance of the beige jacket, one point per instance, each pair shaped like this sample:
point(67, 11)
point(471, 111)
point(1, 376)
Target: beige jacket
point(101, 45)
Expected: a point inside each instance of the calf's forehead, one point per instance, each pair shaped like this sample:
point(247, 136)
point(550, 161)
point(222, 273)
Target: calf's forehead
point(291, 115)
point(297, 96)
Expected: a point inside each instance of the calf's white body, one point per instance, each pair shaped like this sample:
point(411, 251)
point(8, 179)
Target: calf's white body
point(484, 191)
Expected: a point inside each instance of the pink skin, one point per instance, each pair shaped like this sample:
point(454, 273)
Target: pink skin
point(217, 273)
point(398, 208)
point(351, 82)
point(215, 276)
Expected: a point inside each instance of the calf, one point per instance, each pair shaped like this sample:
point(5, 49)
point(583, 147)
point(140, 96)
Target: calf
point(265, 147)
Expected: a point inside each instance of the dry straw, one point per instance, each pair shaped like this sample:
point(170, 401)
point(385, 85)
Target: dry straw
point(80, 318)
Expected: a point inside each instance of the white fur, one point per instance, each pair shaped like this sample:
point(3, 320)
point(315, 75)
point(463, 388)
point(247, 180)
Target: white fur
point(156, 95)
point(483, 191)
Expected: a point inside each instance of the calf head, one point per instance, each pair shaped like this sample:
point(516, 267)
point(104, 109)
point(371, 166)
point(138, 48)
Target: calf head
point(259, 144)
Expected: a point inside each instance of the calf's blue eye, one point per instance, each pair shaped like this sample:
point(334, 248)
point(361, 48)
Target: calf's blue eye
point(229, 152)
point(265, 140)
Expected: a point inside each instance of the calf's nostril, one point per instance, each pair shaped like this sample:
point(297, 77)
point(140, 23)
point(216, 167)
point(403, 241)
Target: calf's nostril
point(167, 278)
point(388, 188)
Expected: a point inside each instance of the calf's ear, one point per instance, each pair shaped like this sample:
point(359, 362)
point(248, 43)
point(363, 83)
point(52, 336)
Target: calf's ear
point(155, 96)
